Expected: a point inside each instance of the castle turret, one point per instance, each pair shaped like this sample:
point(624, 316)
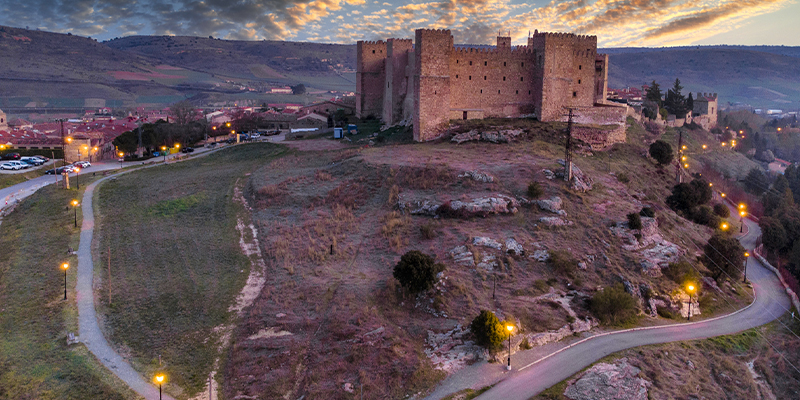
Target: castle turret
point(432, 50)
point(396, 82)
point(370, 75)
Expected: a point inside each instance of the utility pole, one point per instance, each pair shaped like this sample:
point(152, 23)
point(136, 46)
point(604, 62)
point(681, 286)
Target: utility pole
point(109, 276)
point(139, 148)
point(568, 150)
point(678, 175)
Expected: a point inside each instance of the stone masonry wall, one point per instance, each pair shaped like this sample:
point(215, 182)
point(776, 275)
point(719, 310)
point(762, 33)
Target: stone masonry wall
point(396, 86)
point(370, 77)
point(431, 83)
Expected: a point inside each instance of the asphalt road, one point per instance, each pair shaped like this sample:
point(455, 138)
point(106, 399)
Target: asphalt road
point(771, 302)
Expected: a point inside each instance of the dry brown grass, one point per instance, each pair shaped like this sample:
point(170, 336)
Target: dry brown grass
point(396, 230)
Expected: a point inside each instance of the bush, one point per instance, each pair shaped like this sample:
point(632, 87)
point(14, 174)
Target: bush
point(661, 151)
point(681, 273)
point(416, 271)
point(613, 305)
point(666, 312)
point(622, 177)
point(428, 231)
point(562, 262)
point(686, 196)
point(721, 210)
point(648, 212)
point(634, 221)
point(535, 190)
point(724, 255)
point(704, 215)
point(488, 330)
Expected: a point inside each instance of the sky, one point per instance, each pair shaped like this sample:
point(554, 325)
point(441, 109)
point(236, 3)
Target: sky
point(616, 23)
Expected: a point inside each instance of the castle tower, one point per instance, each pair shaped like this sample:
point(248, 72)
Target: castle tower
point(432, 49)
point(396, 81)
point(370, 78)
point(504, 43)
point(3, 121)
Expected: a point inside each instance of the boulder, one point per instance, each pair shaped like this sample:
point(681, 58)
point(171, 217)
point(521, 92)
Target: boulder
point(486, 242)
point(548, 174)
point(618, 381)
point(492, 135)
point(554, 221)
point(541, 255)
point(488, 262)
point(580, 181)
point(462, 255)
point(477, 176)
point(513, 247)
point(553, 205)
point(498, 204)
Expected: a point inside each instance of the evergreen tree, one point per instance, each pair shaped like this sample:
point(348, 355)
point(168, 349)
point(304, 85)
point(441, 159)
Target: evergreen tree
point(675, 103)
point(724, 256)
point(654, 93)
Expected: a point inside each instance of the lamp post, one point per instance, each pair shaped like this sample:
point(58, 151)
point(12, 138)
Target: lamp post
point(510, 329)
point(160, 381)
point(78, 177)
point(120, 154)
point(690, 289)
point(746, 258)
point(65, 267)
point(741, 221)
point(724, 226)
point(75, 206)
point(164, 150)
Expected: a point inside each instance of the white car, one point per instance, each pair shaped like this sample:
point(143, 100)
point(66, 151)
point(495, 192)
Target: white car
point(82, 164)
point(14, 165)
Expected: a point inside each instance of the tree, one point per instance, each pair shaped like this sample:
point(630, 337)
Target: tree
point(183, 112)
point(675, 103)
point(488, 330)
point(686, 196)
point(773, 235)
point(722, 210)
point(634, 221)
point(653, 93)
point(417, 271)
point(613, 305)
point(724, 255)
point(661, 151)
point(298, 89)
point(535, 190)
point(755, 182)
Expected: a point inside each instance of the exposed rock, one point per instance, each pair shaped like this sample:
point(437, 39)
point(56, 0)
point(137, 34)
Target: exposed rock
point(490, 135)
point(553, 205)
point(449, 351)
point(513, 247)
point(348, 387)
point(548, 174)
point(541, 255)
point(499, 204)
point(582, 265)
point(657, 253)
point(659, 256)
point(267, 333)
point(709, 282)
point(488, 262)
point(619, 381)
point(580, 181)
point(478, 176)
point(683, 300)
point(462, 255)
point(486, 242)
point(554, 221)
point(690, 364)
point(280, 315)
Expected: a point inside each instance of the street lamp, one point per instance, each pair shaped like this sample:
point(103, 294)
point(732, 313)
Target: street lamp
point(690, 289)
point(683, 147)
point(741, 221)
point(686, 165)
point(121, 155)
point(704, 147)
point(65, 267)
point(164, 150)
point(160, 379)
point(722, 195)
point(78, 177)
point(510, 329)
point(710, 184)
point(746, 258)
point(75, 206)
point(724, 226)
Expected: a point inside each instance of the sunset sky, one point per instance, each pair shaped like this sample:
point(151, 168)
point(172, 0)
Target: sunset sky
point(615, 22)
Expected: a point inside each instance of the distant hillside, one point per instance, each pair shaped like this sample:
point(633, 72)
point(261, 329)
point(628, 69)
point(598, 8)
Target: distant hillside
point(738, 74)
point(60, 70)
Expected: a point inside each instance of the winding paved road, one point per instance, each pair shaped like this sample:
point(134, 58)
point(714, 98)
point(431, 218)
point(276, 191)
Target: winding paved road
point(771, 302)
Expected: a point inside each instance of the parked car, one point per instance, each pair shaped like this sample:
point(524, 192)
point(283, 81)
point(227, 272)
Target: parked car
point(15, 165)
point(60, 170)
point(82, 164)
point(32, 160)
point(230, 141)
point(187, 149)
point(43, 158)
point(11, 156)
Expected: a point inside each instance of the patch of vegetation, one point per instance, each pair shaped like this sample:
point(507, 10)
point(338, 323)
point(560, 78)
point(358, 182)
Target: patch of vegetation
point(176, 261)
point(623, 177)
point(681, 272)
point(488, 331)
point(35, 362)
point(416, 271)
point(724, 257)
point(721, 210)
point(563, 263)
point(535, 190)
point(613, 305)
point(8, 179)
point(634, 221)
point(661, 151)
point(648, 212)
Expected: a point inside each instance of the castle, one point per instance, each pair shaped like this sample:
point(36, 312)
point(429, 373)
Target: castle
point(431, 81)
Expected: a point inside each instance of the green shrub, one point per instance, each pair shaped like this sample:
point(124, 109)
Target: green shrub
point(428, 231)
point(666, 312)
point(681, 273)
point(535, 190)
point(704, 215)
point(622, 177)
point(562, 262)
point(613, 305)
point(417, 271)
point(634, 221)
point(648, 212)
point(488, 330)
point(721, 210)
point(661, 151)
point(686, 196)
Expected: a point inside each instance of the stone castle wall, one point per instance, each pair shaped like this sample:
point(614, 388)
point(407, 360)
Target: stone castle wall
point(432, 82)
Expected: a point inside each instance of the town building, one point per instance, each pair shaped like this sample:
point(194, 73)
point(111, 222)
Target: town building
point(431, 81)
point(3, 121)
point(705, 104)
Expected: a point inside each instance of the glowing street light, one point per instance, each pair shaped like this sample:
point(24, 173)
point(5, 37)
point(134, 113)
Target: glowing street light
point(78, 177)
point(704, 147)
point(683, 158)
point(690, 289)
point(686, 165)
point(724, 226)
point(746, 258)
point(65, 267)
point(710, 184)
point(779, 129)
point(722, 194)
point(723, 144)
point(510, 329)
point(164, 150)
point(160, 378)
point(683, 147)
point(121, 156)
point(75, 205)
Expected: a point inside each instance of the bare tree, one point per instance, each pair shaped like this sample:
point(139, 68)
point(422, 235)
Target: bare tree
point(183, 112)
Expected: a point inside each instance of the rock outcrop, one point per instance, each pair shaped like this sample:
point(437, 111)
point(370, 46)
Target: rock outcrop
point(553, 205)
point(497, 204)
point(477, 176)
point(493, 135)
point(618, 381)
point(580, 181)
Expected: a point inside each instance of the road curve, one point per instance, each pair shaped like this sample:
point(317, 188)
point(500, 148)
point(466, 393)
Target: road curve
point(770, 303)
